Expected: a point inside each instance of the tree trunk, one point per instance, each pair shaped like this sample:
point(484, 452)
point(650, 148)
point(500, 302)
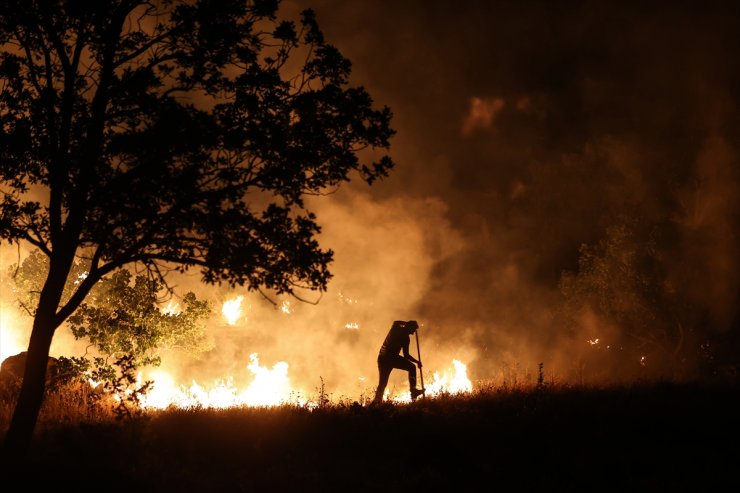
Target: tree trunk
point(23, 422)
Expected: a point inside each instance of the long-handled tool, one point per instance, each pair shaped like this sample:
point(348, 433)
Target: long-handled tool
point(418, 356)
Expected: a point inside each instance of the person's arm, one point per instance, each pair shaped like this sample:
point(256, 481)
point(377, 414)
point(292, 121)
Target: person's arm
point(407, 354)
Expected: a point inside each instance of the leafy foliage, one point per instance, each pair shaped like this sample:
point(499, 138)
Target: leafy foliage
point(123, 318)
point(129, 329)
point(125, 325)
point(25, 280)
point(622, 281)
point(124, 384)
point(70, 369)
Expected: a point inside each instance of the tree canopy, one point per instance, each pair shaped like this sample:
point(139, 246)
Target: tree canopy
point(172, 135)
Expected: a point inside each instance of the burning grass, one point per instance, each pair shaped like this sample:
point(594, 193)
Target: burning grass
point(660, 436)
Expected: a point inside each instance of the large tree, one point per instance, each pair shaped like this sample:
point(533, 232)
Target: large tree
point(171, 135)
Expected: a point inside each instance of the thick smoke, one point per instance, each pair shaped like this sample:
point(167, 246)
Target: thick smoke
point(542, 125)
point(385, 255)
point(524, 131)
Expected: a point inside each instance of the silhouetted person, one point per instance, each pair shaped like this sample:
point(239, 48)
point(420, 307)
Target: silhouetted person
point(390, 357)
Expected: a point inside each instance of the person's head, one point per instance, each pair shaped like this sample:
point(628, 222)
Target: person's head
point(411, 325)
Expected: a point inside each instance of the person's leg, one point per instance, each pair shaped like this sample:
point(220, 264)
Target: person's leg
point(411, 368)
point(402, 363)
point(384, 372)
point(406, 365)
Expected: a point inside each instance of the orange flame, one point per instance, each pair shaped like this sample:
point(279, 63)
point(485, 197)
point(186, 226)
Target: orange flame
point(10, 337)
point(270, 387)
point(455, 381)
point(231, 309)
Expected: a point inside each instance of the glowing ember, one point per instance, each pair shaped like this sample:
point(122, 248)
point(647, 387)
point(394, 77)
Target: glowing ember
point(352, 326)
point(232, 310)
point(285, 307)
point(593, 342)
point(81, 278)
point(171, 309)
point(346, 299)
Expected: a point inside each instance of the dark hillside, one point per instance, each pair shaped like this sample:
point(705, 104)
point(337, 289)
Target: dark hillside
point(643, 438)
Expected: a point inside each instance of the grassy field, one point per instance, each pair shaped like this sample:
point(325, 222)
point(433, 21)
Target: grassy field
point(648, 437)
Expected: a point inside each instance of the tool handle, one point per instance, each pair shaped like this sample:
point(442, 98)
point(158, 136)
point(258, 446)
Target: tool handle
point(418, 354)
